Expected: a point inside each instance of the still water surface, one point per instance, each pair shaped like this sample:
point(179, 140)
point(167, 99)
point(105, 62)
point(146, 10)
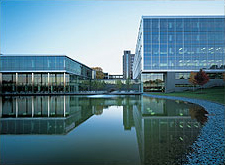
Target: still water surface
point(97, 130)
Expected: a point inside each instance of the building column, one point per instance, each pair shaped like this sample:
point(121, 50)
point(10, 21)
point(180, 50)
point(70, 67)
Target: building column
point(32, 106)
point(64, 81)
point(16, 82)
point(64, 106)
point(0, 82)
point(32, 80)
point(0, 107)
point(16, 107)
point(93, 109)
point(170, 82)
point(48, 81)
point(48, 106)
point(141, 86)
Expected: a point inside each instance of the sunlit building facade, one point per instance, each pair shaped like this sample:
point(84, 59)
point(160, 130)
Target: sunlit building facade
point(42, 74)
point(128, 60)
point(170, 47)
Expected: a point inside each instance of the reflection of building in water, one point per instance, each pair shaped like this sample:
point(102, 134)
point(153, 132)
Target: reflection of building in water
point(104, 103)
point(42, 114)
point(164, 130)
point(51, 114)
point(128, 120)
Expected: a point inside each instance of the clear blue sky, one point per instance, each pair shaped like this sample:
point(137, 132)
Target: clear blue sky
point(93, 32)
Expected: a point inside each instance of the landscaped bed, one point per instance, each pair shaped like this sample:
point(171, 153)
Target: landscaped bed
point(215, 94)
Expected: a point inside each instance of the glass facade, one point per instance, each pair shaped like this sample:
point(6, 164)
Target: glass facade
point(42, 74)
point(153, 82)
point(182, 43)
point(32, 63)
point(210, 75)
point(26, 63)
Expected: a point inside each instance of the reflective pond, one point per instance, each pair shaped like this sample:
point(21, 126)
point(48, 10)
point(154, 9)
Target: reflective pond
point(97, 130)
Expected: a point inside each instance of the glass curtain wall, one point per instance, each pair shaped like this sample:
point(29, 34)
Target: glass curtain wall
point(153, 82)
point(48, 74)
point(40, 84)
point(8, 83)
point(34, 63)
point(183, 43)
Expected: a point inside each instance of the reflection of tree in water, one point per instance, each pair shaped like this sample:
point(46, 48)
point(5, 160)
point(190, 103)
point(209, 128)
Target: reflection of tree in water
point(168, 154)
point(167, 136)
point(98, 109)
point(154, 82)
point(103, 103)
point(198, 113)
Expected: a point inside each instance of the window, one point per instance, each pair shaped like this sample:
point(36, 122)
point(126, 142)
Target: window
point(182, 75)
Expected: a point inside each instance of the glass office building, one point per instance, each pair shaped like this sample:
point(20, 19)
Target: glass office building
point(172, 45)
point(42, 74)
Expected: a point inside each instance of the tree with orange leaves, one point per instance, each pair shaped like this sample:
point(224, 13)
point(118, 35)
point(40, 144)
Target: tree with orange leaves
point(192, 79)
point(201, 78)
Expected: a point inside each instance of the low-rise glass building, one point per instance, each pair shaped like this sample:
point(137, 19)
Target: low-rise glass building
point(42, 74)
point(169, 47)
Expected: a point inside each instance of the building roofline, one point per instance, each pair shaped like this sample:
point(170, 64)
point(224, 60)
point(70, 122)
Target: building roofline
point(33, 55)
point(184, 16)
point(79, 62)
point(178, 71)
point(39, 55)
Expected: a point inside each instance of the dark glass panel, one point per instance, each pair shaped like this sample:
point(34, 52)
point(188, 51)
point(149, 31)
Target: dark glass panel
point(163, 24)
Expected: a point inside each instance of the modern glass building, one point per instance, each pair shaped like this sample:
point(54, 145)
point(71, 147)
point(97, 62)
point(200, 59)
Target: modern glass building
point(170, 47)
point(128, 60)
point(42, 74)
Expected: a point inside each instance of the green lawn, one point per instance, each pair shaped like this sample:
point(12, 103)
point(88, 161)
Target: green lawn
point(215, 94)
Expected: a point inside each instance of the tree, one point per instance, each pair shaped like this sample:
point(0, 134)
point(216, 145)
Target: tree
point(199, 113)
point(85, 85)
point(99, 72)
point(95, 85)
point(119, 84)
point(99, 75)
point(103, 84)
point(201, 78)
point(192, 79)
point(128, 84)
point(98, 84)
